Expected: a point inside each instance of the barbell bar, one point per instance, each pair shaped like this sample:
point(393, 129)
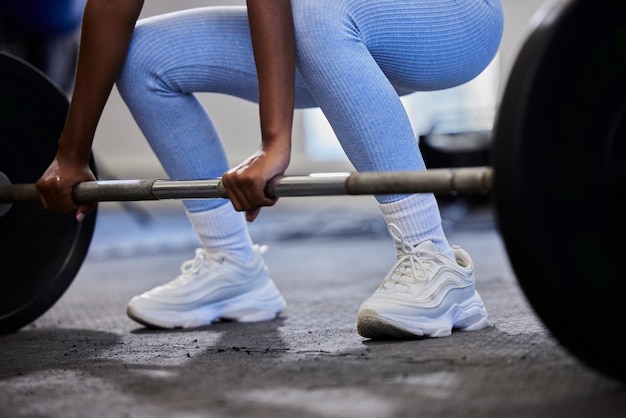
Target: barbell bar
point(465, 180)
point(556, 179)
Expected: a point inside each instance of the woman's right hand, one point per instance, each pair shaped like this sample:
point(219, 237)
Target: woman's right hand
point(106, 31)
point(55, 186)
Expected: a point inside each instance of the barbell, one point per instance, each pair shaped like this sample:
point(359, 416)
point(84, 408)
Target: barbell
point(557, 173)
point(465, 180)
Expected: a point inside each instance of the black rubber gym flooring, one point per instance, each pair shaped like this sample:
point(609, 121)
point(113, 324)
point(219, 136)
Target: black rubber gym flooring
point(85, 358)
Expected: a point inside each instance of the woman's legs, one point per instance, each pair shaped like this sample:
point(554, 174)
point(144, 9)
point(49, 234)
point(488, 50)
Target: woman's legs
point(357, 56)
point(171, 57)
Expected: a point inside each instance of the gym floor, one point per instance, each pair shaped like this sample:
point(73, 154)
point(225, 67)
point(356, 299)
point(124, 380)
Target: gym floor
point(84, 357)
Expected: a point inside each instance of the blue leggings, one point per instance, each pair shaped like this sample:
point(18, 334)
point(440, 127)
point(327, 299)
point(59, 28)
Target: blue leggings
point(354, 59)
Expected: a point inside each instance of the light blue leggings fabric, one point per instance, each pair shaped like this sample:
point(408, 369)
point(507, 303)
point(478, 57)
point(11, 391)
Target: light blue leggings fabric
point(354, 59)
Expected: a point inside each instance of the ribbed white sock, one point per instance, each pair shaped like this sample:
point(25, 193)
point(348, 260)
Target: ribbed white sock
point(419, 220)
point(223, 229)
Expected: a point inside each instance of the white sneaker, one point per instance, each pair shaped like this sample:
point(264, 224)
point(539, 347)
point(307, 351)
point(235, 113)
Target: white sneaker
point(426, 294)
point(210, 287)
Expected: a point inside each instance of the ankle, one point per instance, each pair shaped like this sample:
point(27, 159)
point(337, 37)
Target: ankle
point(418, 220)
point(223, 229)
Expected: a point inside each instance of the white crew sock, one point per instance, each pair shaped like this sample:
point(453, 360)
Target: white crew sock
point(419, 220)
point(223, 229)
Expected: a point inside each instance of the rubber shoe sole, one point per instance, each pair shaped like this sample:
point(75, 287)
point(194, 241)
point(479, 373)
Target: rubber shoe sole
point(257, 305)
point(469, 316)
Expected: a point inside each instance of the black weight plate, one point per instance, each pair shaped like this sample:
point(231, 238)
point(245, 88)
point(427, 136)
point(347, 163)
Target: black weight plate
point(559, 165)
point(41, 251)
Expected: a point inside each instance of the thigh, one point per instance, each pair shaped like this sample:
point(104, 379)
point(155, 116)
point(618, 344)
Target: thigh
point(200, 50)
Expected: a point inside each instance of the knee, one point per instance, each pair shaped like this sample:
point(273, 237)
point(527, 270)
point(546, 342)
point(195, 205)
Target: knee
point(139, 70)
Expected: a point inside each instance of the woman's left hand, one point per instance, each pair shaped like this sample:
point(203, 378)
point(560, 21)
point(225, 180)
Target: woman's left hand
point(246, 182)
point(272, 33)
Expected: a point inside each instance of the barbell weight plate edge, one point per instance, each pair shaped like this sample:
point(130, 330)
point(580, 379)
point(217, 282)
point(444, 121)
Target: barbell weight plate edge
point(557, 154)
point(42, 252)
point(4, 207)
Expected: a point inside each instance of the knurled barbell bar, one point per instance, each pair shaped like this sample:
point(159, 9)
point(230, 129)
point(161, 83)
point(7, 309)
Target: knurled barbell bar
point(466, 180)
point(558, 170)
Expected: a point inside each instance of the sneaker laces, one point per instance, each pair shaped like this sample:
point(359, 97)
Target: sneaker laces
point(411, 265)
point(190, 268)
